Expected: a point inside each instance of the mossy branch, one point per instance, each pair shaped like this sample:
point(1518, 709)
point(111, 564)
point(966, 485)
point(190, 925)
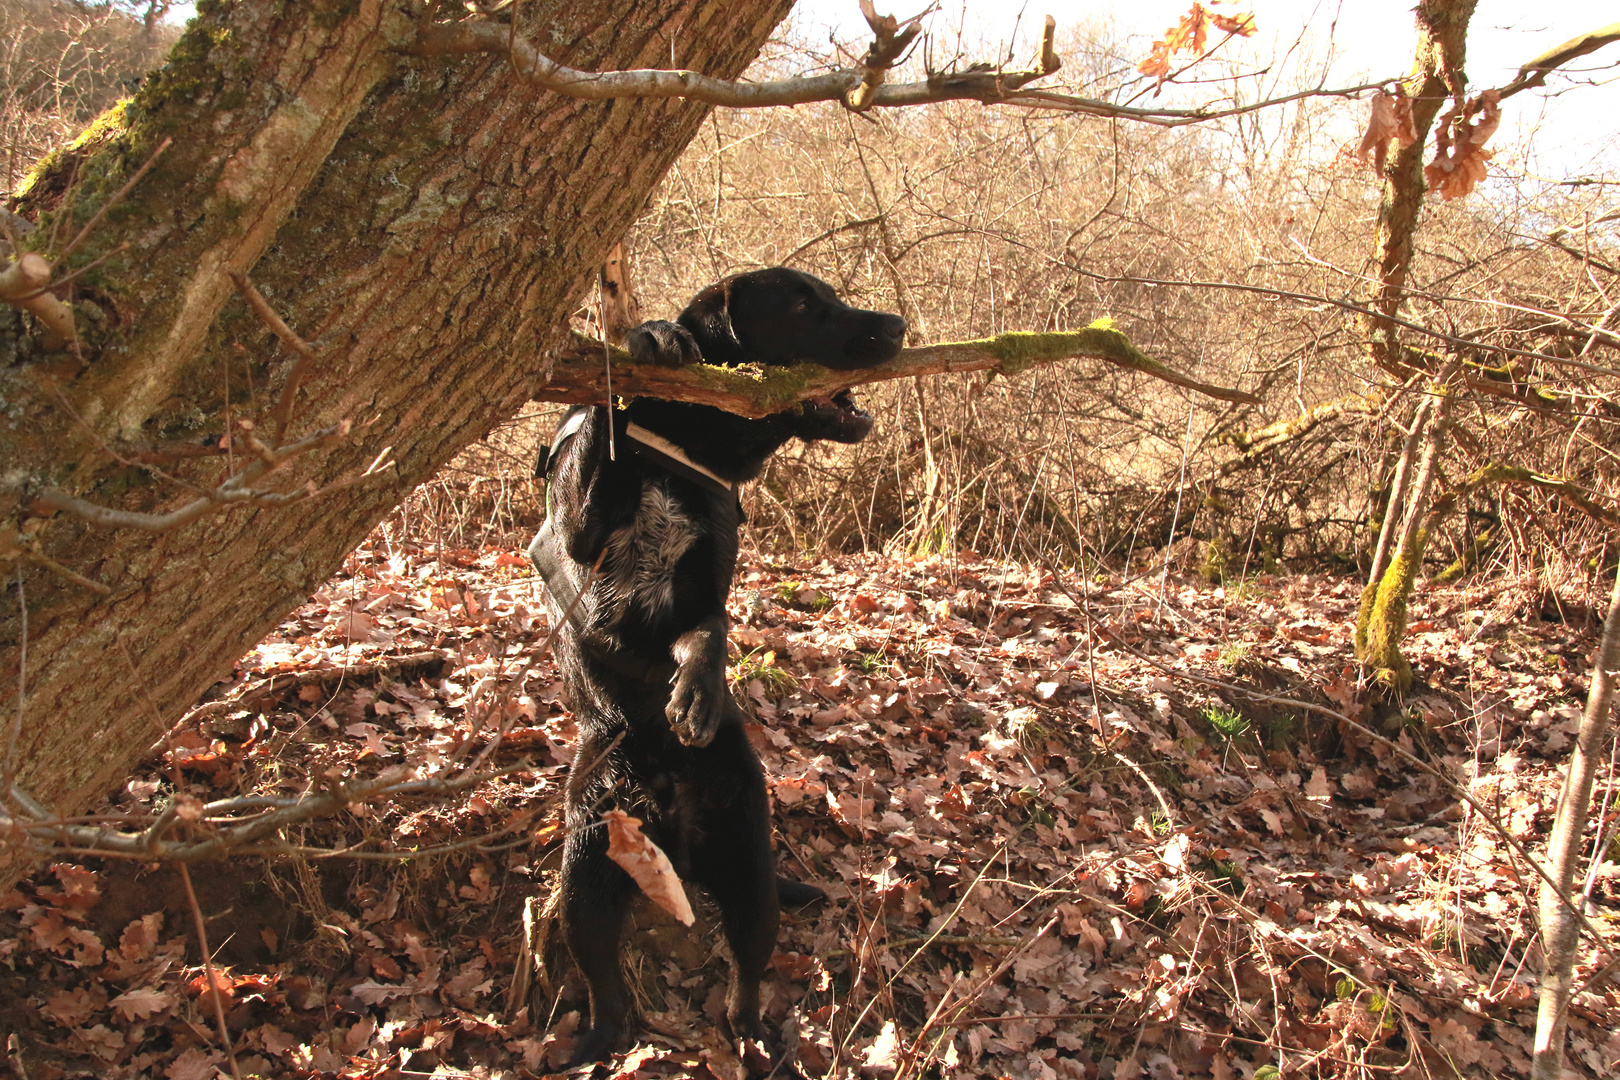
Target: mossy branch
point(577, 374)
point(1497, 472)
point(1262, 440)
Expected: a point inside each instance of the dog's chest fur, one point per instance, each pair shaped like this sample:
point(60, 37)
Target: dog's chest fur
point(642, 556)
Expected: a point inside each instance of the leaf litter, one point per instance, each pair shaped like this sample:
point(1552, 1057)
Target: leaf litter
point(1048, 851)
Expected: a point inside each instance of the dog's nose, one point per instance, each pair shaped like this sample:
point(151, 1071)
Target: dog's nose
point(893, 327)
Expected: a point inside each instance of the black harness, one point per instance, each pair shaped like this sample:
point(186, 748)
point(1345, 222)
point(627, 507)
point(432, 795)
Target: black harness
point(561, 573)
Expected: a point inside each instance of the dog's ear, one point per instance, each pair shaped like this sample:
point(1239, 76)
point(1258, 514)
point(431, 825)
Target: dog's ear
point(708, 319)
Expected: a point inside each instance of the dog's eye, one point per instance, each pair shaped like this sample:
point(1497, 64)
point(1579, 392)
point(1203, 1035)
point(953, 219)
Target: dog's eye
point(802, 307)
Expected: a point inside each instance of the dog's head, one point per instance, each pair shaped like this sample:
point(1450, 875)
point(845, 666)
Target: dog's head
point(777, 317)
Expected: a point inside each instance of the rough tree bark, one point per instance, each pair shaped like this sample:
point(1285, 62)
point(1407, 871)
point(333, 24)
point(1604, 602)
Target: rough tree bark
point(426, 222)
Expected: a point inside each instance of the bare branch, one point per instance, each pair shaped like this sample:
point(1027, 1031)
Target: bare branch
point(1535, 72)
point(306, 352)
point(23, 284)
point(889, 41)
point(233, 491)
point(19, 545)
point(748, 391)
point(975, 84)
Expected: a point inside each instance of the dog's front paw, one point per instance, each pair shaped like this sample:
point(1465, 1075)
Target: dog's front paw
point(665, 343)
point(697, 704)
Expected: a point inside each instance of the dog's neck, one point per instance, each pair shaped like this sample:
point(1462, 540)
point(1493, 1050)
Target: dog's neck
point(732, 447)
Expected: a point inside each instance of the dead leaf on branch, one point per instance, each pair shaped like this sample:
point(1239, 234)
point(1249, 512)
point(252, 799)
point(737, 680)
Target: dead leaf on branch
point(1191, 35)
point(1391, 119)
point(1459, 147)
point(646, 864)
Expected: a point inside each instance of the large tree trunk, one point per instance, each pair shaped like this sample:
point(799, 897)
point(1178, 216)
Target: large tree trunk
point(427, 222)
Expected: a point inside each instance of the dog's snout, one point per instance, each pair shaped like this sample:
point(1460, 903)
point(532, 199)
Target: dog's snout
point(893, 327)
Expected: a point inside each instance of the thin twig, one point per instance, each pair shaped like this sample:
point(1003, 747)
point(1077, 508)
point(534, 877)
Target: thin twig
point(114, 201)
point(278, 326)
point(214, 988)
point(10, 765)
point(231, 492)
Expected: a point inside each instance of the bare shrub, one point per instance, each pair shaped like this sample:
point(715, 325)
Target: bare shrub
point(62, 63)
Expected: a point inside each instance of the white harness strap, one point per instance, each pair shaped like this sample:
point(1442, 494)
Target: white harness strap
point(669, 450)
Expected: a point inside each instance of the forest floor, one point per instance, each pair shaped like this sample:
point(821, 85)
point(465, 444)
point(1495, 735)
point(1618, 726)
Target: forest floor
point(1069, 827)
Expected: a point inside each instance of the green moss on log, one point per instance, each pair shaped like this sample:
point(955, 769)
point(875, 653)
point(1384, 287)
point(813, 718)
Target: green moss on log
point(774, 388)
point(1018, 351)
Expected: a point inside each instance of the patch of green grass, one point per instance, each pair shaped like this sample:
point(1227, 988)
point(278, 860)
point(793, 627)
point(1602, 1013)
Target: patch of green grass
point(761, 664)
point(1234, 656)
point(866, 663)
point(788, 594)
point(1226, 722)
point(1243, 589)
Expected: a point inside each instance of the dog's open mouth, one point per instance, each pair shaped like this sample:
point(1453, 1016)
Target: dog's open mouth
point(836, 416)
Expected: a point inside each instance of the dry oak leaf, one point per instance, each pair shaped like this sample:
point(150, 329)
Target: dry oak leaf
point(140, 937)
point(71, 1008)
point(1391, 119)
point(139, 1004)
point(884, 1053)
point(81, 888)
point(646, 864)
point(1459, 142)
point(1191, 35)
point(194, 1064)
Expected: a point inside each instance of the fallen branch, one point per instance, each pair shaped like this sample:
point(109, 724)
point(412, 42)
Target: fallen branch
point(238, 825)
point(261, 694)
point(577, 375)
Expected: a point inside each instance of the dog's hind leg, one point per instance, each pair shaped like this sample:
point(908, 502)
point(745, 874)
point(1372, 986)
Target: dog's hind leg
point(594, 906)
point(734, 861)
point(596, 896)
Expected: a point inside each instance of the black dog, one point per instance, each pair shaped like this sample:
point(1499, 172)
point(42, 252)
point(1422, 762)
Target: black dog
point(643, 655)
